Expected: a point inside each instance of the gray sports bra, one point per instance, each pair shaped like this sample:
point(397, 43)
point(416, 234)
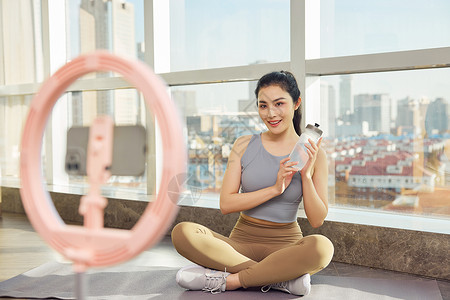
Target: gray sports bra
point(259, 170)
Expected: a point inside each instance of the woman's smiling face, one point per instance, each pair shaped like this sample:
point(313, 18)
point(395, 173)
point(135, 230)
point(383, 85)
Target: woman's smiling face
point(276, 108)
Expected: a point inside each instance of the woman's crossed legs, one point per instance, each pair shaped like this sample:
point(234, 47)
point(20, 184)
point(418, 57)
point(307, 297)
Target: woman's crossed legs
point(278, 263)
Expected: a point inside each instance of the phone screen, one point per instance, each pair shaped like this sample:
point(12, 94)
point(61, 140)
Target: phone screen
point(129, 150)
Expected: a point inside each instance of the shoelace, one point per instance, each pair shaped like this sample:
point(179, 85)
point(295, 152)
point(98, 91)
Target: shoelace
point(214, 283)
point(278, 286)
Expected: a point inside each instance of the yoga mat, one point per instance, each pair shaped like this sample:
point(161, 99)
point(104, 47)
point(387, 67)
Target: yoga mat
point(56, 280)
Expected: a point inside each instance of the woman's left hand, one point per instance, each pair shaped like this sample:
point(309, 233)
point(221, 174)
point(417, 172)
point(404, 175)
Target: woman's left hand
point(312, 150)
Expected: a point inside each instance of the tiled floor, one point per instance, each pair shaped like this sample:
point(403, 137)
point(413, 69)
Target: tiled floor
point(21, 249)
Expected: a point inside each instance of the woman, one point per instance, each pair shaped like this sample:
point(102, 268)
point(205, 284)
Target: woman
point(266, 247)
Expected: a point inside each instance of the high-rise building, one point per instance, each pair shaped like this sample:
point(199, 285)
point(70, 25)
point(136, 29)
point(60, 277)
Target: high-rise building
point(94, 34)
point(185, 102)
point(251, 90)
point(373, 110)
point(404, 121)
point(109, 25)
point(436, 118)
point(411, 115)
point(328, 108)
point(126, 102)
point(345, 95)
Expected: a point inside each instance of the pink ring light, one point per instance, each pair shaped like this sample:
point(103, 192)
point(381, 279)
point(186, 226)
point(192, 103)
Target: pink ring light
point(100, 246)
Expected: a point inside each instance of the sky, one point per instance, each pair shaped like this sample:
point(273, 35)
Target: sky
point(359, 27)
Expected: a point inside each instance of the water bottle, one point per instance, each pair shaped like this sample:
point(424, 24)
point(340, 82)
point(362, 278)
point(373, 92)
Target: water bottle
point(299, 152)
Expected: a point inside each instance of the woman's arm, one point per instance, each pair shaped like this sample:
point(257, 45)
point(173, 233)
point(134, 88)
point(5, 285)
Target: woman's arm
point(315, 186)
point(230, 198)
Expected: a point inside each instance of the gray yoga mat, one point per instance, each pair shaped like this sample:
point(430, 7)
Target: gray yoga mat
point(57, 280)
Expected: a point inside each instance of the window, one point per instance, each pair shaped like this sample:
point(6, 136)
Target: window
point(352, 27)
point(21, 64)
point(21, 56)
point(117, 26)
point(231, 33)
point(214, 116)
point(397, 124)
point(125, 106)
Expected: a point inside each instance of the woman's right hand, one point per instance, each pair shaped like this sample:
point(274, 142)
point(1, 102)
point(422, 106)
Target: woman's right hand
point(285, 174)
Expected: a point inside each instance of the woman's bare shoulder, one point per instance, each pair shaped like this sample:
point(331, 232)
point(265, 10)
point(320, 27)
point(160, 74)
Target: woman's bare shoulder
point(244, 139)
point(241, 143)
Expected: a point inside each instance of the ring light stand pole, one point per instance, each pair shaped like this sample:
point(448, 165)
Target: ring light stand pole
point(99, 159)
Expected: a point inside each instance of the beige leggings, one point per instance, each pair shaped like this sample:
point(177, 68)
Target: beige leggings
point(260, 254)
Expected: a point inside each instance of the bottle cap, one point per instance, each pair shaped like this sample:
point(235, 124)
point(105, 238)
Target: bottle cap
point(315, 128)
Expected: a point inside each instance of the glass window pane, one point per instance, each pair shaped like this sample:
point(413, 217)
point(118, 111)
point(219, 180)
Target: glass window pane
point(351, 27)
point(117, 26)
point(388, 140)
point(210, 34)
point(214, 116)
point(21, 59)
point(126, 107)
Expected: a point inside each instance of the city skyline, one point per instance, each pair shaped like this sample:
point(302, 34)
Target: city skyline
point(386, 172)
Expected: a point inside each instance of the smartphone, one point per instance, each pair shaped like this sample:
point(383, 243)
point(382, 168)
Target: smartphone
point(129, 150)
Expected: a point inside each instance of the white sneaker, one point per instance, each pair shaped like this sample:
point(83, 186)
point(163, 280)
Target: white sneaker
point(198, 278)
point(300, 286)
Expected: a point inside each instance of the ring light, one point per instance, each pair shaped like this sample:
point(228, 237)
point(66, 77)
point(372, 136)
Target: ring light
point(98, 246)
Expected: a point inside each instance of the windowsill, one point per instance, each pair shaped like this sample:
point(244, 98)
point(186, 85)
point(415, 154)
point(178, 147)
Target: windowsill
point(386, 219)
point(81, 189)
point(335, 213)
point(354, 215)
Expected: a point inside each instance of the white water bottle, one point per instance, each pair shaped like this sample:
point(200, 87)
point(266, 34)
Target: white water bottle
point(299, 152)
